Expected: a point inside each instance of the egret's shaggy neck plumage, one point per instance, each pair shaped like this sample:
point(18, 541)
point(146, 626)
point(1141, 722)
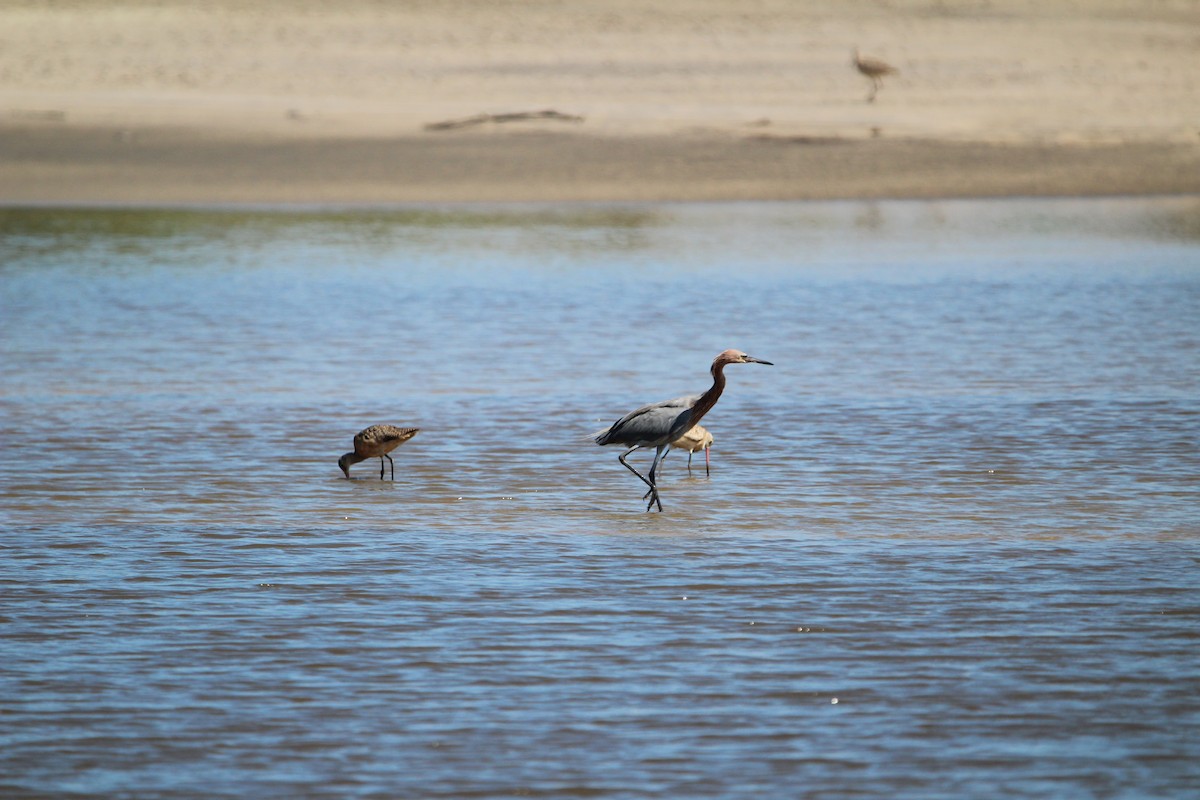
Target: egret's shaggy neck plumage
point(709, 399)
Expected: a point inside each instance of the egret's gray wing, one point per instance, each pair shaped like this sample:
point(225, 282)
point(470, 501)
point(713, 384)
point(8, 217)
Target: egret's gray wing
point(651, 425)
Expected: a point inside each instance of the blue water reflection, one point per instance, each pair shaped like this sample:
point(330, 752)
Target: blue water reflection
point(962, 504)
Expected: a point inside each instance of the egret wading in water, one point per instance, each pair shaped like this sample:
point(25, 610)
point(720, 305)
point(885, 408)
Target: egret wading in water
point(377, 440)
point(698, 438)
point(659, 424)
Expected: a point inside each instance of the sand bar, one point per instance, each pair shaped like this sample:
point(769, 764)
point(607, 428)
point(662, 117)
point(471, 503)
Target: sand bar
point(160, 101)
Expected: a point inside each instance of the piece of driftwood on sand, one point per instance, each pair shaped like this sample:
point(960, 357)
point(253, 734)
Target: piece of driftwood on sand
point(514, 116)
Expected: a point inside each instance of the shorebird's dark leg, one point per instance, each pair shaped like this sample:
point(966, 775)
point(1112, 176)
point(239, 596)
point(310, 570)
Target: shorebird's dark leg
point(393, 463)
point(381, 468)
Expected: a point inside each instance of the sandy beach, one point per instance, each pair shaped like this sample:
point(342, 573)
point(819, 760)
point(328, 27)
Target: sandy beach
point(164, 102)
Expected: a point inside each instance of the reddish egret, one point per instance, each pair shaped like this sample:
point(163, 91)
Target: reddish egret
point(874, 69)
point(698, 438)
point(659, 424)
point(377, 440)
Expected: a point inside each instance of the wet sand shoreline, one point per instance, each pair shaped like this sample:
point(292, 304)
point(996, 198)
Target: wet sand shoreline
point(300, 102)
point(96, 165)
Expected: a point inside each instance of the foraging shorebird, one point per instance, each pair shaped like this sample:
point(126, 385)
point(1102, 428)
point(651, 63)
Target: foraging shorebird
point(874, 69)
point(377, 440)
point(698, 438)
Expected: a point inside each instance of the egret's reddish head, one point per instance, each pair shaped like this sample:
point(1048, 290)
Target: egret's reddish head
point(738, 357)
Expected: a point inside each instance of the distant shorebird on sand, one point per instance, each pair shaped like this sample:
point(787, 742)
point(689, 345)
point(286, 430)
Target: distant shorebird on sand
point(376, 441)
point(698, 438)
point(874, 69)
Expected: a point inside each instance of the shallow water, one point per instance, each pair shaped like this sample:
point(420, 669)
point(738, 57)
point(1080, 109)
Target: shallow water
point(949, 546)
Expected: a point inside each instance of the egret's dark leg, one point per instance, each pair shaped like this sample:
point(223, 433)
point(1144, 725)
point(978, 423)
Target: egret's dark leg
point(625, 464)
point(660, 463)
point(393, 463)
point(658, 457)
point(641, 477)
point(664, 458)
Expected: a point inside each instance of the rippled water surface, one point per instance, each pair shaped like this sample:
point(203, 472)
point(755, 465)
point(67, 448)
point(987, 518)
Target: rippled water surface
point(949, 547)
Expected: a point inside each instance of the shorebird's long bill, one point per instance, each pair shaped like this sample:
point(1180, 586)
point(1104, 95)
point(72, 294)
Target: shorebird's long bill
point(758, 361)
